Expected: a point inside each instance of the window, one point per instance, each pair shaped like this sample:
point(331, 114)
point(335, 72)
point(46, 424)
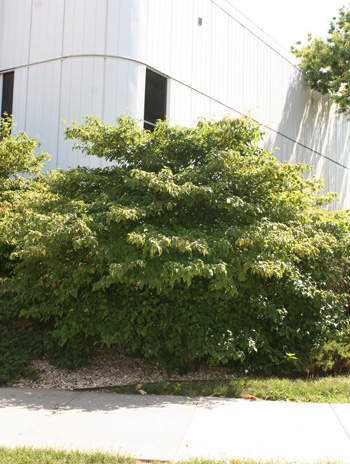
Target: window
point(7, 93)
point(155, 99)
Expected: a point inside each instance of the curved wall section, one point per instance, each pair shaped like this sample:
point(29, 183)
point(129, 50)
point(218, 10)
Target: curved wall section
point(68, 89)
point(34, 31)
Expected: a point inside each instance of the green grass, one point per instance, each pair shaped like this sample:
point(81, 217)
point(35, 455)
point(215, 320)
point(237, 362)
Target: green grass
point(322, 390)
point(49, 456)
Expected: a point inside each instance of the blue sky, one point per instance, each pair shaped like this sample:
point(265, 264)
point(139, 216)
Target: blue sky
point(290, 21)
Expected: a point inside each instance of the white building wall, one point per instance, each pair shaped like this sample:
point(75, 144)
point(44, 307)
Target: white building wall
point(47, 29)
point(14, 33)
point(74, 57)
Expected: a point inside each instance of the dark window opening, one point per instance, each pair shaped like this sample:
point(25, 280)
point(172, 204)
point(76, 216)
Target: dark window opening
point(155, 99)
point(7, 93)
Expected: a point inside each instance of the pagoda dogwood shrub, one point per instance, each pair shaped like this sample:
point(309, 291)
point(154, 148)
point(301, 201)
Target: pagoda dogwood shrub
point(197, 244)
point(21, 338)
point(17, 157)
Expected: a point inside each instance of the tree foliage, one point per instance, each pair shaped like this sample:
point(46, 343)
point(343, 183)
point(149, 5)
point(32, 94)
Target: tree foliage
point(17, 153)
point(326, 63)
point(197, 244)
point(21, 338)
point(18, 157)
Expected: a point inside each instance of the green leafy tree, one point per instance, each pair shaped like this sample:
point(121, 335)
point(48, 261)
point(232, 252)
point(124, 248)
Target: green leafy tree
point(326, 63)
point(197, 244)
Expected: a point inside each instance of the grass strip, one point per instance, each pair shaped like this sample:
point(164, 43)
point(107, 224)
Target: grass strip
point(321, 390)
point(27, 455)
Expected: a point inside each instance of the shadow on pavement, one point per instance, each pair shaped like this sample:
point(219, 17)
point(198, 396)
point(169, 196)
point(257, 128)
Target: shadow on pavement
point(61, 400)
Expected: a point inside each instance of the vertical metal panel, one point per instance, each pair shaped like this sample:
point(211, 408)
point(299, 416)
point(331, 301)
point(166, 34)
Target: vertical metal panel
point(91, 96)
point(84, 27)
point(251, 72)
point(124, 29)
point(91, 86)
point(82, 88)
point(14, 33)
point(201, 46)
point(122, 87)
point(143, 28)
point(156, 29)
point(200, 106)
point(113, 28)
point(73, 40)
point(46, 30)
point(236, 60)
point(263, 89)
point(217, 110)
point(124, 90)
point(140, 75)
point(70, 110)
point(180, 104)
point(181, 40)
point(43, 105)
point(219, 56)
point(95, 26)
point(343, 187)
point(111, 97)
point(20, 98)
point(101, 87)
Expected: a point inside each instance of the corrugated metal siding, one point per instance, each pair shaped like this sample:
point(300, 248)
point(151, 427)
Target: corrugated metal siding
point(201, 46)
point(180, 104)
point(42, 106)
point(84, 27)
point(180, 51)
point(46, 32)
point(109, 87)
point(15, 33)
point(20, 97)
point(89, 56)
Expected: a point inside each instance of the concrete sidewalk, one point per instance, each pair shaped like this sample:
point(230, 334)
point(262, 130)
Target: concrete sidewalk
point(174, 428)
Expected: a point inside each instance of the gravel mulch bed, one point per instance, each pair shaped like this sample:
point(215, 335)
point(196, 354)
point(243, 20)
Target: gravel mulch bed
point(109, 368)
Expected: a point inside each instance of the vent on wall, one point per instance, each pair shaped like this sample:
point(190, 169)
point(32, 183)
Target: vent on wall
point(7, 93)
point(155, 99)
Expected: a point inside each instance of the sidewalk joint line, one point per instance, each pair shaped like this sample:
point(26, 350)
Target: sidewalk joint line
point(186, 429)
point(68, 402)
point(347, 433)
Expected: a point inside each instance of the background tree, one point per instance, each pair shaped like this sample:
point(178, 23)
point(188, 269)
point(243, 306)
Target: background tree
point(326, 63)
